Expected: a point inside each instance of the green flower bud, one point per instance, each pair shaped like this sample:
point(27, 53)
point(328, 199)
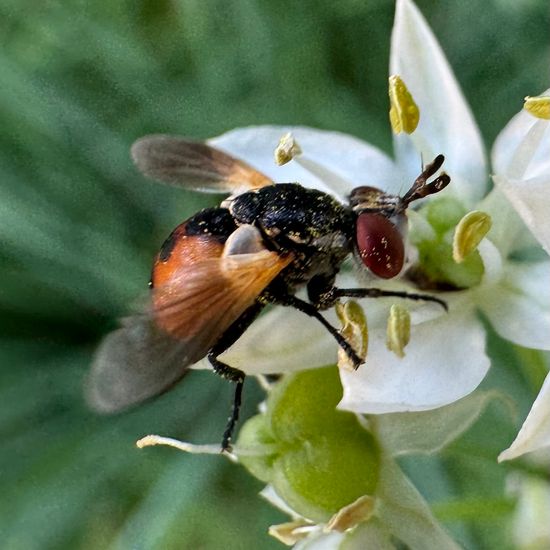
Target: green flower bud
point(317, 458)
point(443, 213)
point(436, 262)
point(436, 259)
point(256, 435)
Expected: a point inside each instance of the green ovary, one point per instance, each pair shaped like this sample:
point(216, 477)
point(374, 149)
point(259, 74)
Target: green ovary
point(318, 459)
point(436, 267)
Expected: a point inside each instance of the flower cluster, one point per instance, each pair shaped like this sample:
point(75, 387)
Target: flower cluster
point(472, 245)
point(446, 357)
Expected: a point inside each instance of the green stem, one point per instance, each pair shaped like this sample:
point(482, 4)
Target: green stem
point(534, 366)
point(482, 509)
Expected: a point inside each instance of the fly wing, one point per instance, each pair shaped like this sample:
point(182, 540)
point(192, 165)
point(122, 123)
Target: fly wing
point(194, 165)
point(135, 362)
point(151, 352)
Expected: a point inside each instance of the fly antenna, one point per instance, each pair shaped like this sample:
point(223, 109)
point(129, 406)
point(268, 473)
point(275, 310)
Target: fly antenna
point(422, 187)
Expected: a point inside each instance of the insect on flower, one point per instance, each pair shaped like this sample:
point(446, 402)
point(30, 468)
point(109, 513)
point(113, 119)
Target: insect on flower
point(221, 267)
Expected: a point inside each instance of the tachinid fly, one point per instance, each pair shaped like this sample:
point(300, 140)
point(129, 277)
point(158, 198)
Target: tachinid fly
point(221, 267)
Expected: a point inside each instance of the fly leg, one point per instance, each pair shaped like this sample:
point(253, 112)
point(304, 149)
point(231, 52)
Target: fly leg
point(337, 293)
point(312, 311)
point(324, 295)
point(229, 337)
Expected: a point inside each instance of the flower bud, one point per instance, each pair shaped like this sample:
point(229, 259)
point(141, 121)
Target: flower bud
point(443, 213)
point(436, 265)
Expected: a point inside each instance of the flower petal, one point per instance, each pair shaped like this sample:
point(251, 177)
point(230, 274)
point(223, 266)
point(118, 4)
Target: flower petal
point(347, 157)
point(269, 494)
point(535, 432)
point(405, 514)
point(492, 262)
point(446, 123)
point(283, 339)
point(433, 372)
point(530, 198)
point(519, 307)
point(523, 146)
point(508, 232)
point(322, 541)
point(531, 528)
point(371, 534)
point(428, 431)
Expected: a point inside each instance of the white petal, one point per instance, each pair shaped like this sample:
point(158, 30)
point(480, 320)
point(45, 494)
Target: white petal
point(404, 513)
point(371, 534)
point(446, 123)
point(531, 527)
point(349, 158)
point(525, 140)
point(435, 371)
point(535, 432)
point(282, 340)
point(428, 431)
point(269, 493)
point(322, 541)
point(519, 307)
point(492, 262)
point(508, 231)
point(531, 200)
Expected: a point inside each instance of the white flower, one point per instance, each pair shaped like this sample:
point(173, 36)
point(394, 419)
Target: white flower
point(521, 158)
point(397, 511)
point(531, 528)
point(394, 510)
point(446, 357)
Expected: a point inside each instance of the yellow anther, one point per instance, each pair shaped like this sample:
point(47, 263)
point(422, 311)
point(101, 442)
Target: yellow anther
point(352, 514)
point(287, 149)
point(538, 106)
point(399, 330)
point(404, 113)
point(468, 234)
point(291, 532)
point(355, 331)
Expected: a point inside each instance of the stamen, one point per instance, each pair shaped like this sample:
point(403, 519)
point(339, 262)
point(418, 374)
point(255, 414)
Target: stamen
point(538, 106)
point(152, 440)
point(210, 449)
point(352, 514)
point(287, 149)
point(404, 113)
point(264, 382)
point(291, 532)
point(469, 233)
point(332, 181)
point(398, 332)
point(355, 331)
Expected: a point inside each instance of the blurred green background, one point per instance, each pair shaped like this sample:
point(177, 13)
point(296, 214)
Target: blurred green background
point(79, 81)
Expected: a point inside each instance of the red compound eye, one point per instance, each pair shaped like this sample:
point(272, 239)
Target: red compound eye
point(380, 245)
